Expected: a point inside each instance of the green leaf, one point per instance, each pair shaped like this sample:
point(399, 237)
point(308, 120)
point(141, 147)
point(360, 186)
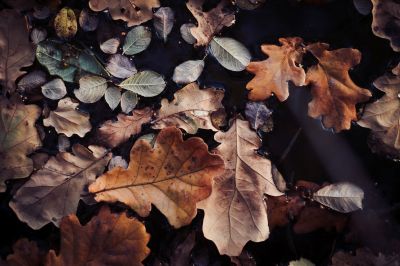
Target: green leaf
point(91, 89)
point(230, 53)
point(137, 40)
point(67, 61)
point(145, 83)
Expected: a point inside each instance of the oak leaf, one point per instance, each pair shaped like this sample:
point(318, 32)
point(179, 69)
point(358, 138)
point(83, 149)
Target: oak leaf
point(134, 12)
point(114, 133)
point(54, 191)
point(236, 213)
point(335, 95)
point(274, 73)
point(190, 109)
point(211, 22)
point(173, 175)
point(68, 120)
point(15, 49)
point(108, 239)
point(19, 137)
point(383, 116)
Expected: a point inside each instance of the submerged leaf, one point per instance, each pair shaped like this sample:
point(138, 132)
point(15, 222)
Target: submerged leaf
point(65, 23)
point(91, 89)
point(137, 40)
point(145, 83)
point(163, 22)
point(129, 101)
point(188, 71)
point(54, 89)
point(230, 53)
point(112, 97)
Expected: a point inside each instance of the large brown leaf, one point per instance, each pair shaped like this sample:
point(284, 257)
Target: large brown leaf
point(190, 109)
point(274, 73)
point(15, 49)
point(134, 12)
point(19, 138)
point(383, 116)
point(108, 239)
point(236, 213)
point(334, 93)
point(54, 191)
point(173, 175)
point(211, 22)
point(115, 133)
point(386, 14)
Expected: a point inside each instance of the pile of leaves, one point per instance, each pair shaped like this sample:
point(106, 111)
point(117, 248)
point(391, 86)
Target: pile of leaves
point(101, 147)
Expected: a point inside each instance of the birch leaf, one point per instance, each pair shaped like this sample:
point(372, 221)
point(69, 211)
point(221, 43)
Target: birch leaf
point(54, 89)
point(38, 35)
point(186, 34)
point(230, 53)
point(129, 101)
point(188, 71)
point(145, 83)
point(137, 40)
point(112, 97)
point(91, 89)
point(163, 22)
point(120, 66)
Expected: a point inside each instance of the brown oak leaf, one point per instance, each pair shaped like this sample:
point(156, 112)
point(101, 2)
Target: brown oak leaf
point(274, 73)
point(134, 12)
point(108, 239)
point(211, 22)
point(173, 175)
point(335, 95)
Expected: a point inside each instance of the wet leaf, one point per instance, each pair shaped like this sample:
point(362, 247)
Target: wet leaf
point(38, 35)
point(163, 22)
point(25, 253)
point(54, 89)
point(129, 101)
point(120, 66)
point(187, 72)
point(137, 40)
point(274, 73)
point(110, 46)
point(65, 23)
point(54, 191)
point(335, 95)
point(190, 109)
point(112, 97)
point(108, 239)
point(230, 53)
point(32, 80)
point(145, 83)
point(236, 213)
point(91, 89)
point(173, 176)
point(19, 138)
point(68, 120)
point(259, 116)
point(186, 34)
point(88, 21)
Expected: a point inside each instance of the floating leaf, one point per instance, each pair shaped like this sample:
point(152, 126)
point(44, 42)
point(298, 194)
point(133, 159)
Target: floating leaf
point(145, 83)
point(163, 22)
point(137, 40)
point(120, 66)
point(110, 46)
point(38, 35)
point(173, 176)
point(188, 71)
point(67, 120)
point(88, 21)
point(91, 89)
point(129, 101)
point(230, 53)
point(65, 23)
point(112, 97)
point(186, 33)
point(32, 80)
point(54, 89)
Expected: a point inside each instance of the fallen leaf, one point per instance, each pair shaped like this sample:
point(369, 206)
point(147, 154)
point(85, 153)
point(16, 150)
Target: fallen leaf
point(54, 191)
point(19, 138)
point(63, 143)
point(115, 133)
point(65, 23)
point(54, 89)
point(25, 253)
point(91, 89)
point(364, 257)
point(108, 239)
point(249, 4)
point(112, 97)
point(230, 53)
point(335, 95)
point(173, 176)
point(274, 73)
point(236, 213)
point(134, 12)
point(259, 116)
point(211, 22)
point(120, 66)
point(186, 34)
point(187, 72)
point(129, 101)
point(68, 120)
point(137, 40)
point(117, 161)
point(163, 22)
point(382, 116)
point(145, 83)
point(190, 109)
point(88, 21)
point(38, 35)
point(16, 51)
point(31, 81)
point(110, 46)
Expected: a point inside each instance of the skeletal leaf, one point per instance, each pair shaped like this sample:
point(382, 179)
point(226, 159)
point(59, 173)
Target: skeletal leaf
point(91, 89)
point(110, 46)
point(129, 101)
point(187, 72)
point(112, 97)
point(137, 40)
point(19, 138)
point(120, 66)
point(38, 35)
point(65, 23)
point(186, 33)
point(54, 89)
point(342, 197)
point(273, 74)
point(235, 212)
point(163, 22)
point(230, 53)
point(190, 109)
point(32, 80)
point(67, 120)
point(88, 21)
point(114, 133)
point(173, 176)
point(145, 83)
point(108, 239)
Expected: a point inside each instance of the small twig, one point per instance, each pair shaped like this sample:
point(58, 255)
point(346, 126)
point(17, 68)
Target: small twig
point(290, 146)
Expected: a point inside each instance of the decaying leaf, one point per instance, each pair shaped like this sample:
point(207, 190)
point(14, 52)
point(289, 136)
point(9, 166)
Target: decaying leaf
point(108, 239)
point(115, 133)
point(173, 175)
point(190, 109)
point(91, 89)
point(210, 23)
point(19, 138)
point(25, 253)
point(383, 116)
point(54, 191)
point(134, 12)
point(335, 95)
point(236, 213)
point(230, 53)
point(15, 49)
point(188, 71)
point(145, 83)
point(274, 73)
point(68, 120)
point(65, 23)
point(163, 22)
